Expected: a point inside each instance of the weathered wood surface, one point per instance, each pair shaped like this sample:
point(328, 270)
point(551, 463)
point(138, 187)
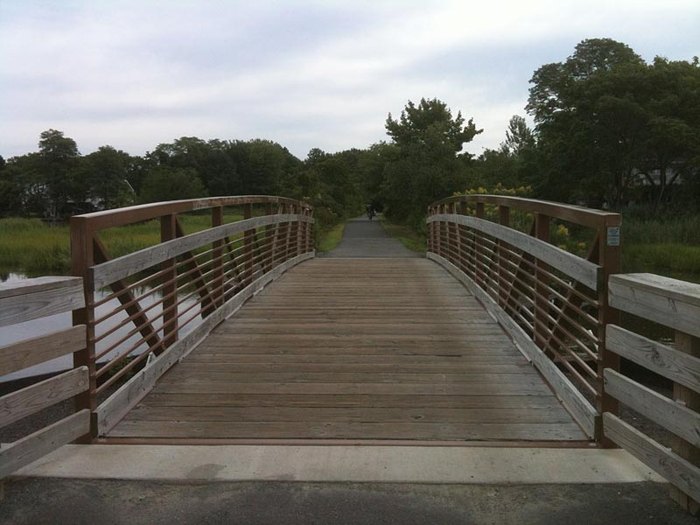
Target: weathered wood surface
point(129, 394)
point(27, 401)
point(121, 267)
point(660, 299)
point(680, 420)
point(17, 356)
point(585, 272)
point(671, 466)
point(389, 349)
point(36, 445)
point(664, 360)
point(39, 297)
point(576, 403)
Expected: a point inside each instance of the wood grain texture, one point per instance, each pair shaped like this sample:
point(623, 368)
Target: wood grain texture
point(31, 399)
point(573, 400)
point(382, 349)
point(671, 466)
point(121, 267)
point(26, 450)
point(39, 297)
point(118, 404)
point(585, 272)
point(680, 420)
point(666, 301)
point(30, 352)
point(666, 361)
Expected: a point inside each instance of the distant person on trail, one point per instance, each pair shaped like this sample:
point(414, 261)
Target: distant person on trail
point(370, 211)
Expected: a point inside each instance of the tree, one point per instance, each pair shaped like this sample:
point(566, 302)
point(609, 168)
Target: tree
point(519, 137)
point(165, 184)
point(604, 117)
point(210, 160)
point(58, 157)
point(430, 164)
point(106, 171)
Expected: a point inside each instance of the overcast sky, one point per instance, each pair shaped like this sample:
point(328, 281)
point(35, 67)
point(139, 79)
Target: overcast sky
point(303, 73)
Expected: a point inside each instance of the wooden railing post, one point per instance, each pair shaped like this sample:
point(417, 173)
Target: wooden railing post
point(462, 230)
point(609, 254)
point(431, 231)
point(170, 322)
point(308, 230)
point(447, 209)
point(248, 247)
point(479, 275)
point(457, 257)
point(217, 219)
point(691, 399)
point(83, 257)
point(503, 220)
point(540, 297)
point(299, 225)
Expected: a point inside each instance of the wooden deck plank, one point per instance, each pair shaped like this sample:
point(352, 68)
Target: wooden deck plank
point(354, 414)
point(350, 400)
point(368, 349)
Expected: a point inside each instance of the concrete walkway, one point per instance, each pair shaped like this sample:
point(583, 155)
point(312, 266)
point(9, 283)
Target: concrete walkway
point(35, 501)
point(365, 238)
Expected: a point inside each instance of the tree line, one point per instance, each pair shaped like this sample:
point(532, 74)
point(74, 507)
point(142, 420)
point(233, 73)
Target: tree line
point(610, 130)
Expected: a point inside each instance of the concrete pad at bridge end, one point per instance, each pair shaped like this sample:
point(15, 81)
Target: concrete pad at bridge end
point(341, 463)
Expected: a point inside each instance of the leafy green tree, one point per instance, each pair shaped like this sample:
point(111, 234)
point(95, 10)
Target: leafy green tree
point(165, 184)
point(519, 137)
point(106, 171)
point(371, 169)
point(10, 190)
point(58, 158)
point(609, 125)
point(430, 164)
point(210, 160)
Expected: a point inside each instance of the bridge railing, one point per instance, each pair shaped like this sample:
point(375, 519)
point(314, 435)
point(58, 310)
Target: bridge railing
point(674, 304)
point(31, 301)
point(553, 302)
point(145, 310)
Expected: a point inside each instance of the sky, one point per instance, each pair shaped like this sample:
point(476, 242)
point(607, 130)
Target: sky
point(306, 74)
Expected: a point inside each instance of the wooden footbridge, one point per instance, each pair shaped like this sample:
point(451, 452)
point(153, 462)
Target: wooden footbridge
point(506, 333)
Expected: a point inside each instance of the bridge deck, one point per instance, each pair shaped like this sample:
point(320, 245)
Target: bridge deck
point(361, 349)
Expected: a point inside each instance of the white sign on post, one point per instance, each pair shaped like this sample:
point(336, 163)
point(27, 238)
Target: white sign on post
point(614, 236)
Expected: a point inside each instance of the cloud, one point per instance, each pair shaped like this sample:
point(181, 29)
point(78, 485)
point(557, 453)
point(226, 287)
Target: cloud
point(306, 74)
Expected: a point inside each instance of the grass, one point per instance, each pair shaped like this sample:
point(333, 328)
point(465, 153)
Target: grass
point(329, 239)
point(667, 246)
point(407, 236)
point(675, 260)
point(32, 248)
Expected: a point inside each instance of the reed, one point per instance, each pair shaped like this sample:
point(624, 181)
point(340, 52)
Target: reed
point(33, 248)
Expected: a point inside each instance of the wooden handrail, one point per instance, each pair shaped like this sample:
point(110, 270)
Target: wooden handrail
point(29, 300)
point(675, 304)
point(198, 277)
point(588, 217)
point(554, 303)
point(101, 220)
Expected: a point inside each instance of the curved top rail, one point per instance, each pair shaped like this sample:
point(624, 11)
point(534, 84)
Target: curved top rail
point(568, 212)
point(143, 212)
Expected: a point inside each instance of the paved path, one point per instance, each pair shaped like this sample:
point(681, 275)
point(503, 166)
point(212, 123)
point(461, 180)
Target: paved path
point(365, 238)
point(34, 501)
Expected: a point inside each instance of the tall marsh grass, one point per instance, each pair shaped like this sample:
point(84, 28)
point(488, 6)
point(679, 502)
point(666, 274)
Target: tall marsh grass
point(33, 248)
point(668, 246)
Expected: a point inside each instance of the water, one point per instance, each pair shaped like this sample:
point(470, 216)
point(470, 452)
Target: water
point(29, 329)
